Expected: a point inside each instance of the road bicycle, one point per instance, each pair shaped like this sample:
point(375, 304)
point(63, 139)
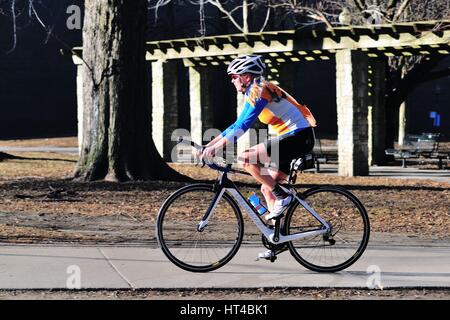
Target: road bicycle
point(200, 227)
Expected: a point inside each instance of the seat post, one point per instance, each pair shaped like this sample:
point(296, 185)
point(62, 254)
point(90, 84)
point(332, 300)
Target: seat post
point(292, 173)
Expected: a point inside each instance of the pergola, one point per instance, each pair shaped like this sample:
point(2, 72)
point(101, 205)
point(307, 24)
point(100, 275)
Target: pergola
point(359, 77)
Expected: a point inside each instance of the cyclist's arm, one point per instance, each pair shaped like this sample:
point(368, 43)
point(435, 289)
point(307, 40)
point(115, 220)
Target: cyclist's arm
point(218, 143)
point(214, 141)
point(238, 128)
point(245, 120)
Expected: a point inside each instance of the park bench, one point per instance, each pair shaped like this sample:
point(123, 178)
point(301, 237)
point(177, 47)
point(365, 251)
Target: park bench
point(319, 155)
point(421, 146)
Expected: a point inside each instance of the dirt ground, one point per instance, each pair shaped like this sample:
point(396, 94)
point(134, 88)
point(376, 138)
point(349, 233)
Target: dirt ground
point(39, 203)
point(257, 294)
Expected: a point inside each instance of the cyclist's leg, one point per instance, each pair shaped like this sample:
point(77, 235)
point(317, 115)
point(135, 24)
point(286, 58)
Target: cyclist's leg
point(278, 176)
point(253, 160)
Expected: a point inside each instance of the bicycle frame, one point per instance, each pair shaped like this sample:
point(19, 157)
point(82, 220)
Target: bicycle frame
point(223, 184)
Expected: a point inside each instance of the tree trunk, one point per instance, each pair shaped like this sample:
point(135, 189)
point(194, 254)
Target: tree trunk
point(117, 143)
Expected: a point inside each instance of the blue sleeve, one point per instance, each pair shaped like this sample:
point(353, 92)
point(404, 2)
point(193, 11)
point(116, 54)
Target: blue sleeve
point(245, 120)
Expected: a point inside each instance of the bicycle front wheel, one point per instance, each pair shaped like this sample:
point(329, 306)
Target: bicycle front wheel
point(349, 229)
point(186, 246)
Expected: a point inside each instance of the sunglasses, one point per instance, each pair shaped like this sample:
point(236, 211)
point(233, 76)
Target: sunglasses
point(234, 76)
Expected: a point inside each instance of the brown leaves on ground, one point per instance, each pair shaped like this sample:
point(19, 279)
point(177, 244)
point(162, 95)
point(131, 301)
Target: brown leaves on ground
point(41, 185)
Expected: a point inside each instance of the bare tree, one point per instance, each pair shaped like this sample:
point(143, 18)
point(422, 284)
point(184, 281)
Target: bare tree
point(304, 12)
point(236, 12)
point(404, 73)
point(117, 142)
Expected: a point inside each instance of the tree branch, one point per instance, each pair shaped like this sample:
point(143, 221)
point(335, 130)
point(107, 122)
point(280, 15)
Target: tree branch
point(419, 74)
point(400, 10)
point(392, 4)
point(360, 5)
point(318, 15)
point(217, 4)
point(13, 11)
point(266, 20)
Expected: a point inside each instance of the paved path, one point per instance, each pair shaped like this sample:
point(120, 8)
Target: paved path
point(125, 267)
point(40, 149)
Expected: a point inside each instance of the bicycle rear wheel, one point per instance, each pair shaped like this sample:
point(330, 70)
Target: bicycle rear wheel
point(348, 237)
point(193, 250)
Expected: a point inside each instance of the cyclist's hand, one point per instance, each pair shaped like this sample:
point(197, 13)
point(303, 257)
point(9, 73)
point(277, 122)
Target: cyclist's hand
point(198, 153)
point(208, 153)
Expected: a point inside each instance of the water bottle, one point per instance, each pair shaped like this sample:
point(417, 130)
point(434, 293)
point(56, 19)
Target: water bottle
point(256, 203)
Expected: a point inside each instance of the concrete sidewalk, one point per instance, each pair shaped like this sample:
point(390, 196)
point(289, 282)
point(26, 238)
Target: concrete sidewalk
point(127, 267)
point(40, 149)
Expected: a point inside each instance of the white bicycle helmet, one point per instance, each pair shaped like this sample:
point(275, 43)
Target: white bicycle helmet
point(247, 64)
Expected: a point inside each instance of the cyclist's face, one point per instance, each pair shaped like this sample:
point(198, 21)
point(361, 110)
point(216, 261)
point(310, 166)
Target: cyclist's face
point(241, 82)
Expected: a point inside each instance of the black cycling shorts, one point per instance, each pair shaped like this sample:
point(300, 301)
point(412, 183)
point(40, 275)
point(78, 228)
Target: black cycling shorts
point(282, 151)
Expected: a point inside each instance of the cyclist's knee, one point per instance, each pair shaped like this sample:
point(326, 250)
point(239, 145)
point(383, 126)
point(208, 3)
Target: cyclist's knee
point(247, 158)
point(242, 158)
point(277, 175)
point(265, 189)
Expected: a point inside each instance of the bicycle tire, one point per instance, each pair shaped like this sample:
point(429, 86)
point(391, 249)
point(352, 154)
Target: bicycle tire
point(224, 231)
point(350, 240)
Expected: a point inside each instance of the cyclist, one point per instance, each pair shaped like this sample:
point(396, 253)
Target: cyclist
point(291, 121)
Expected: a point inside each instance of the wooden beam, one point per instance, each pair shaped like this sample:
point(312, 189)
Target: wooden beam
point(417, 34)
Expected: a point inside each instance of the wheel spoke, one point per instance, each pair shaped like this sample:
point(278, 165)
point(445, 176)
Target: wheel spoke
point(195, 250)
point(350, 230)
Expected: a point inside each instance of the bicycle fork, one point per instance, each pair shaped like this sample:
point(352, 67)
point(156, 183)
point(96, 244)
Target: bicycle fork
point(209, 213)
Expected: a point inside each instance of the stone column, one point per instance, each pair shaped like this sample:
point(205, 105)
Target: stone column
point(377, 112)
point(352, 103)
point(201, 80)
point(165, 106)
point(402, 123)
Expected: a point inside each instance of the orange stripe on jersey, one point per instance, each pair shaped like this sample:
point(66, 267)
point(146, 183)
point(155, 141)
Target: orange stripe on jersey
point(276, 122)
point(282, 112)
point(279, 126)
point(282, 130)
point(265, 116)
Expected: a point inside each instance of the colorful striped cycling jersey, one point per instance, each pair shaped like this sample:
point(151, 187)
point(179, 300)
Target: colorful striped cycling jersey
point(273, 106)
